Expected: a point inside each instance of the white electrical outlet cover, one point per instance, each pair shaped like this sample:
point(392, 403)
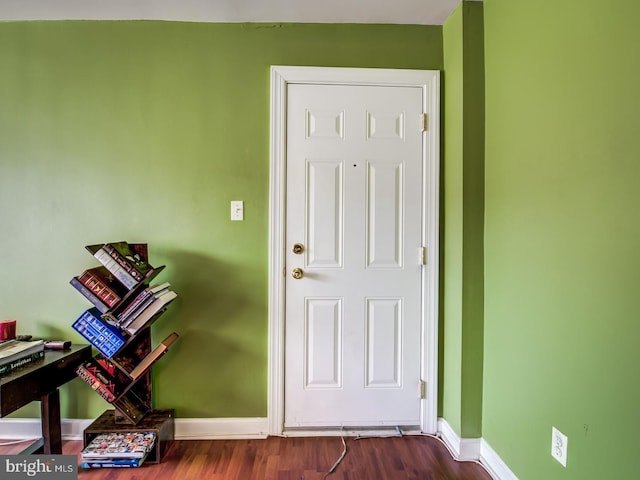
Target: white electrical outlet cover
point(559, 446)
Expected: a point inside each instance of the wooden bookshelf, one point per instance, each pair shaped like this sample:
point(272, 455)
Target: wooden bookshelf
point(121, 372)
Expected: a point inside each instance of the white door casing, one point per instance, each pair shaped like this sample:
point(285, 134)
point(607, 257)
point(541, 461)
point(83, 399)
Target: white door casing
point(380, 311)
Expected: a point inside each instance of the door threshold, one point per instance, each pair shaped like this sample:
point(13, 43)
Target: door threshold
point(350, 431)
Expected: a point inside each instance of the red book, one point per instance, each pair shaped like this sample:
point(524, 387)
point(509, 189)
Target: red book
point(100, 282)
point(104, 377)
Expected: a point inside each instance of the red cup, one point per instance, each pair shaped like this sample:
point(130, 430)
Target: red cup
point(7, 330)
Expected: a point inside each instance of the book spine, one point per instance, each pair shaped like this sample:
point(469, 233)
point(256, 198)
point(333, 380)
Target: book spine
point(97, 286)
point(95, 383)
point(157, 307)
point(132, 307)
point(110, 464)
point(145, 319)
point(139, 312)
point(101, 336)
point(99, 304)
point(115, 268)
point(123, 262)
point(21, 362)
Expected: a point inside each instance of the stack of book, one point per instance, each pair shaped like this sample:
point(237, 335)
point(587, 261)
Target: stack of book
point(15, 354)
point(118, 450)
point(145, 306)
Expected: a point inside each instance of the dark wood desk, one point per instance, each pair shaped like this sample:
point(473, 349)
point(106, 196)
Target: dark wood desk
point(40, 381)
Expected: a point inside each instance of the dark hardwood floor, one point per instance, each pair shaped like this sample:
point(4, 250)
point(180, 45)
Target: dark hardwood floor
point(395, 458)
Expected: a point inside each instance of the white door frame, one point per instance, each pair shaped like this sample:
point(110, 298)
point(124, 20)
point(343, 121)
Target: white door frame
point(429, 81)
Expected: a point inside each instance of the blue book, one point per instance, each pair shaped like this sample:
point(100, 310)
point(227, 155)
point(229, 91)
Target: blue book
point(105, 337)
point(115, 463)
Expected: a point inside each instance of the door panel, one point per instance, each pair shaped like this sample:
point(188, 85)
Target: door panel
point(384, 347)
point(324, 221)
point(323, 343)
point(384, 215)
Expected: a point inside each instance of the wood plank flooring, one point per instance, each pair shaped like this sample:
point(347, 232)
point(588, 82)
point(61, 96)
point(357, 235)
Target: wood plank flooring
point(275, 458)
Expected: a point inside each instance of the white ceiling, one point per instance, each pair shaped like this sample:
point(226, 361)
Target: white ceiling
point(421, 12)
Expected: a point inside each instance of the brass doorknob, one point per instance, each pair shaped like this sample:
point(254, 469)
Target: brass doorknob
point(296, 273)
point(298, 248)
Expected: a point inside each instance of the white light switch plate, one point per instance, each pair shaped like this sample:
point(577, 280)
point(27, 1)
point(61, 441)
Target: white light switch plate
point(237, 210)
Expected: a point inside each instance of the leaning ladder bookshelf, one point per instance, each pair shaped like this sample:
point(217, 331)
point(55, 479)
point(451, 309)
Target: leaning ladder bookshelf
point(125, 303)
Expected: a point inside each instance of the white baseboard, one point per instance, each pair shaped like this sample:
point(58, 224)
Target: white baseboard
point(474, 449)
point(463, 449)
point(20, 429)
point(221, 428)
point(185, 428)
point(494, 464)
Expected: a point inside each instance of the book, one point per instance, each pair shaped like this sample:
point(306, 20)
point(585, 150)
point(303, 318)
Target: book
point(97, 302)
point(118, 446)
point(133, 305)
point(15, 350)
point(113, 463)
point(156, 307)
point(130, 318)
point(148, 296)
point(104, 377)
point(95, 383)
point(102, 284)
point(127, 262)
point(14, 365)
point(105, 337)
point(135, 296)
point(153, 356)
point(130, 257)
point(114, 267)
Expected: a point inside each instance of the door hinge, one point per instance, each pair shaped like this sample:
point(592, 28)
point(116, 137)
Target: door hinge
point(422, 390)
point(423, 255)
point(425, 122)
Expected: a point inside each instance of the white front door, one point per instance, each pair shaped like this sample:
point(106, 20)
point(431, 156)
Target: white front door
point(354, 206)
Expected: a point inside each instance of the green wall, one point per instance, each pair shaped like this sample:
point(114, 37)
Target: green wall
point(144, 131)
point(562, 235)
point(463, 193)
point(450, 353)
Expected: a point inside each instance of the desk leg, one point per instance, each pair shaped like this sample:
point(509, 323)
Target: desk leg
point(50, 418)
